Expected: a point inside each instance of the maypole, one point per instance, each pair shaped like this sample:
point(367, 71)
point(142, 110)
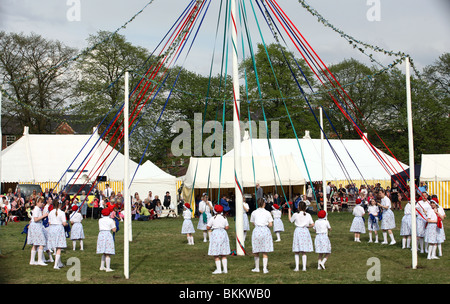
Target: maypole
point(239, 195)
point(412, 184)
point(126, 197)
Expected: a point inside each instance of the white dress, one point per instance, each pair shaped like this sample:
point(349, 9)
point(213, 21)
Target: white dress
point(373, 220)
point(277, 222)
point(205, 212)
point(358, 221)
point(219, 244)
point(36, 235)
point(405, 228)
point(105, 241)
point(302, 241)
point(322, 242)
point(431, 232)
point(388, 220)
point(56, 233)
point(261, 236)
point(77, 232)
point(187, 227)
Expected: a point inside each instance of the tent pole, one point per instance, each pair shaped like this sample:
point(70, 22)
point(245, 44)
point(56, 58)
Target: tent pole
point(324, 180)
point(238, 186)
point(412, 189)
point(126, 197)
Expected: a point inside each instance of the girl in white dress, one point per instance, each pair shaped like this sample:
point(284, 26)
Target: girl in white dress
point(388, 221)
point(322, 242)
point(405, 228)
point(358, 226)
point(188, 227)
point(302, 242)
point(105, 241)
point(36, 236)
point(219, 244)
point(56, 233)
point(431, 233)
point(372, 222)
point(440, 226)
point(421, 219)
point(77, 231)
point(277, 222)
point(262, 241)
point(204, 207)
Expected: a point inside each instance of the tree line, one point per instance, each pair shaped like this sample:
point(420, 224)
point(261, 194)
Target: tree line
point(45, 82)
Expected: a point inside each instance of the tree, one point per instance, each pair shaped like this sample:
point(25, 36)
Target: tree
point(36, 74)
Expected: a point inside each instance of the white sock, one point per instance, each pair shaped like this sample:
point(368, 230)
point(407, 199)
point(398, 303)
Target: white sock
point(108, 262)
point(324, 260)
point(74, 244)
point(370, 236)
point(57, 261)
point(205, 234)
point(304, 261)
point(257, 262)
point(392, 237)
point(278, 236)
point(403, 243)
point(408, 242)
point(225, 265)
point(297, 260)
point(40, 256)
point(265, 260)
point(384, 237)
point(245, 235)
point(440, 249)
point(81, 245)
point(102, 263)
point(218, 268)
point(33, 257)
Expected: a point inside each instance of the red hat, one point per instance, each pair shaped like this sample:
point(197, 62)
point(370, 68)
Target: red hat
point(358, 201)
point(321, 213)
point(218, 208)
point(276, 206)
point(106, 211)
point(74, 208)
point(187, 205)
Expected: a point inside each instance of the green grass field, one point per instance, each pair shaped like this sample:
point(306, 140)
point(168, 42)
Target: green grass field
point(159, 254)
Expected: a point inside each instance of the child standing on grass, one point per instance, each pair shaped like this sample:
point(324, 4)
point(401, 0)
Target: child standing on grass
point(322, 242)
point(440, 226)
point(388, 222)
point(405, 228)
point(56, 233)
point(302, 242)
point(77, 233)
point(372, 223)
point(431, 232)
point(262, 241)
point(36, 236)
point(105, 241)
point(219, 244)
point(187, 227)
point(277, 222)
point(204, 207)
point(357, 226)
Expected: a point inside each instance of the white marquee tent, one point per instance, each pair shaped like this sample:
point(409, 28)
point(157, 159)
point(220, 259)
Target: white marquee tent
point(206, 173)
point(355, 156)
point(39, 158)
point(435, 170)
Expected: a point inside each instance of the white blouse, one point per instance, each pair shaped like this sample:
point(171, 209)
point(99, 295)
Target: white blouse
point(261, 217)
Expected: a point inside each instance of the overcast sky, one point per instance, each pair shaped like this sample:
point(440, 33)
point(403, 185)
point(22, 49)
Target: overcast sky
point(420, 28)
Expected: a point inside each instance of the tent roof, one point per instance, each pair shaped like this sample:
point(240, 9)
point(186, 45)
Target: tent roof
point(44, 158)
point(357, 158)
point(204, 170)
point(435, 167)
